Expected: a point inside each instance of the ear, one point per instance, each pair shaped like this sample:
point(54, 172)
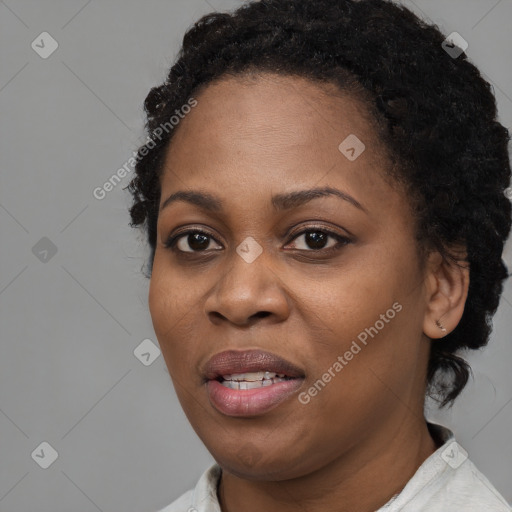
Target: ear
point(447, 285)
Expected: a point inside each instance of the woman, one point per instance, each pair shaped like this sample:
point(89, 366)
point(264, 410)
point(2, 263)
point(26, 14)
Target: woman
point(323, 194)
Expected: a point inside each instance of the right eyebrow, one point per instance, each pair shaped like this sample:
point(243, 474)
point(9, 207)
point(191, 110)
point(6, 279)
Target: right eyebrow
point(284, 201)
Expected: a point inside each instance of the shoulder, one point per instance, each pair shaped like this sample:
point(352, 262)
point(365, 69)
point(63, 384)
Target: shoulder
point(459, 483)
point(182, 504)
point(203, 498)
point(467, 489)
point(447, 481)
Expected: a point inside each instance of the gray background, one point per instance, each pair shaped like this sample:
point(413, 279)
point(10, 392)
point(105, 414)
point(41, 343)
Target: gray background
point(71, 322)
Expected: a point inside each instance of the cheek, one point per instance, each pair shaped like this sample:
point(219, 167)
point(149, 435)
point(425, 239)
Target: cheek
point(366, 314)
point(173, 298)
point(173, 306)
point(348, 299)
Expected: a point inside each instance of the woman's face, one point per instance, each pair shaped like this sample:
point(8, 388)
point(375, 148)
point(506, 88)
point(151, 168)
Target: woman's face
point(329, 282)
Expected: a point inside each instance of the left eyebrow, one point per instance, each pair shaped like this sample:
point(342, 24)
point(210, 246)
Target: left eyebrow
point(285, 201)
point(300, 197)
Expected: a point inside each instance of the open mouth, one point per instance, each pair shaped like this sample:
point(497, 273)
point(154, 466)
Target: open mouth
point(252, 380)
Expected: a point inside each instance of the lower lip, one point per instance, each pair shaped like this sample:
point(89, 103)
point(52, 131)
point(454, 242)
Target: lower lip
point(250, 402)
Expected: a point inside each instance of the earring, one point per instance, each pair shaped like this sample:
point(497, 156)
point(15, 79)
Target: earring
point(440, 325)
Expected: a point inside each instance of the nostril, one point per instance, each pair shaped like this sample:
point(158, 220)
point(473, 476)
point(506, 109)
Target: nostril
point(261, 314)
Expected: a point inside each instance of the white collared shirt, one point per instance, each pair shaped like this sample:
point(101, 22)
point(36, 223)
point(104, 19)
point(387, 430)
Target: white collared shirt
point(447, 481)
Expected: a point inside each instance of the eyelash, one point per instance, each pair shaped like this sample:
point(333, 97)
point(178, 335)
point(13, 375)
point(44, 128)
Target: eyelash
point(342, 240)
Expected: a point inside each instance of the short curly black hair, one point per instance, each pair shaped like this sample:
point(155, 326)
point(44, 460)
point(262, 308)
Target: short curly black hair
point(438, 120)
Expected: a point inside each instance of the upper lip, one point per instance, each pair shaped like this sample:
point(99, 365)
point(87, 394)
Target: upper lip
point(235, 361)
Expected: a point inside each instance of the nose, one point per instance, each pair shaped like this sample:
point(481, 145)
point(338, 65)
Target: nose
point(246, 292)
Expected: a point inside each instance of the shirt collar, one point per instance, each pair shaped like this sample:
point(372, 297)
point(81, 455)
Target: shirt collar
point(204, 497)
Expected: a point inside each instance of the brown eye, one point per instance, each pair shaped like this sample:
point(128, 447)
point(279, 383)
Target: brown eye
point(190, 241)
point(317, 240)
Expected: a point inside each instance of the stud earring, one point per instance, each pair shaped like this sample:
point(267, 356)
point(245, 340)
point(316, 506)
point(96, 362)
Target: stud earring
point(440, 325)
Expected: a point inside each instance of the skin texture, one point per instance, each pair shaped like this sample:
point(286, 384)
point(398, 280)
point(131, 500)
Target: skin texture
point(247, 140)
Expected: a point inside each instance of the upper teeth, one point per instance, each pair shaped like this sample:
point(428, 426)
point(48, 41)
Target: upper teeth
point(253, 376)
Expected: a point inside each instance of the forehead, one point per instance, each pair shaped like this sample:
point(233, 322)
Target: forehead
point(274, 110)
point(254, 135)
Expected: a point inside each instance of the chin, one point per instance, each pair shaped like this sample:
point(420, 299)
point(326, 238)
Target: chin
point(249, 463)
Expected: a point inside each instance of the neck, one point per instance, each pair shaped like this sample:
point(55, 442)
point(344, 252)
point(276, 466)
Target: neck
point(363, 479)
